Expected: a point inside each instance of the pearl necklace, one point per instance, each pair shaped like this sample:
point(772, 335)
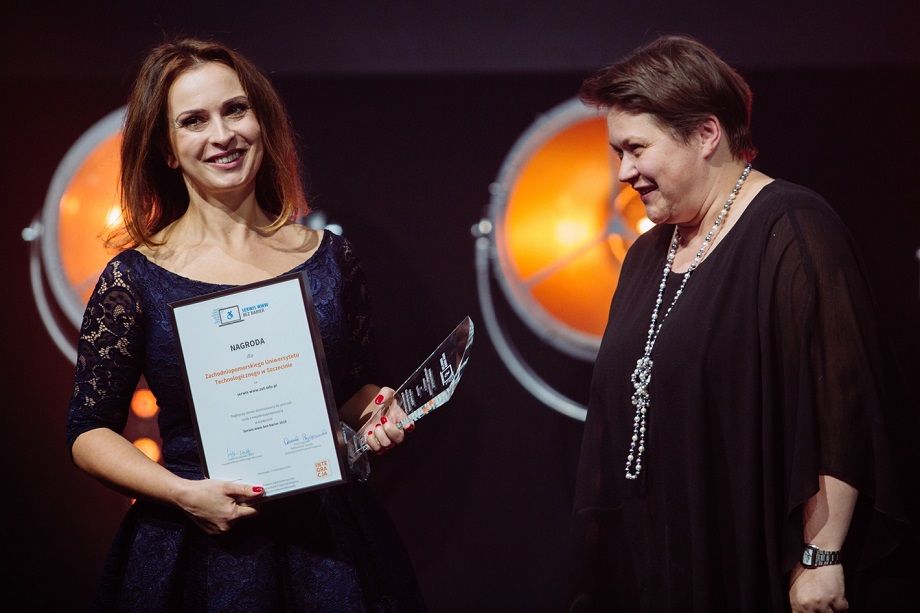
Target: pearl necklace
point(642, 375)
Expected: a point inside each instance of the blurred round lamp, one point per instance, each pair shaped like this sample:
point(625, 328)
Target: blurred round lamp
point(143, 403)
point(81, 208)
point(558, 227)
point(150, 448)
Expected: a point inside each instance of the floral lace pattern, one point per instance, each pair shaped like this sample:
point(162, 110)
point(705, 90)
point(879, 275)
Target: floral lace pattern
point(314, 551)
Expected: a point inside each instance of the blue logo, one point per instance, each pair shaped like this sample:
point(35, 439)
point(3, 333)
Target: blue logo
point(229, 315)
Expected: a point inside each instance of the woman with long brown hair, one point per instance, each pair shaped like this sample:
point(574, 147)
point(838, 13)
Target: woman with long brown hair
point(211, 187)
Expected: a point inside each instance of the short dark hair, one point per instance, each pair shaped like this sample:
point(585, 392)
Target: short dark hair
point(681, 82)
point(153, 195)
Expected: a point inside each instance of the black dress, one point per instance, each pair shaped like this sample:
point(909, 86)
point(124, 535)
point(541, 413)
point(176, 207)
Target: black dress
point(331, 550)
point(767, 373)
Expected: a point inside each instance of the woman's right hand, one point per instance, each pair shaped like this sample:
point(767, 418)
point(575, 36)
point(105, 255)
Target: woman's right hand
point(213, 505)
point(216, 505)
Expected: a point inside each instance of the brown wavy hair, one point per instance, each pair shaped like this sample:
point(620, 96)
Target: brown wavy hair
point(681, 82)
point(154, 195)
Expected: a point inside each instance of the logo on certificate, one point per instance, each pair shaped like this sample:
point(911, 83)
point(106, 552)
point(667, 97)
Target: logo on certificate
point(229, 315)
point(322, 469)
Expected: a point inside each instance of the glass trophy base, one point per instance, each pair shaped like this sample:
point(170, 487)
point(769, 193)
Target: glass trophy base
point(429, 387)
point(358, 463)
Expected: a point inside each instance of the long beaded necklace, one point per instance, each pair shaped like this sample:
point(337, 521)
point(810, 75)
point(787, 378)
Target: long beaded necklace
point(642, 375)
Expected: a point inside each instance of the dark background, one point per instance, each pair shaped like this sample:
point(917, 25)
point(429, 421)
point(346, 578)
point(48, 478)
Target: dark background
point(406, 112)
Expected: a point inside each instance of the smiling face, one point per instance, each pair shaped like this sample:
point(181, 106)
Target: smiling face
point(214, 134)
point(668, 173)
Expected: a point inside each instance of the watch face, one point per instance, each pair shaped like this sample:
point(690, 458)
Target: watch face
point(808, 557)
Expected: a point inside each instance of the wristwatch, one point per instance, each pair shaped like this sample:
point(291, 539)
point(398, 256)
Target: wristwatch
point(813, 557)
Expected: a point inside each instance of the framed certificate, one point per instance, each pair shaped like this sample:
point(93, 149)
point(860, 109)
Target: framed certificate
point(258, 387)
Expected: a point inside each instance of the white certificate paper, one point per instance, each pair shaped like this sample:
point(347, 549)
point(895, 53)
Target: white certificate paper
point(258, 387)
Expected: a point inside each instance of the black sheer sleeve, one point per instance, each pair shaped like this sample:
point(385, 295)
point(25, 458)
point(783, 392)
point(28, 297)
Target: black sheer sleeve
point(109, 355)
point(829, 377)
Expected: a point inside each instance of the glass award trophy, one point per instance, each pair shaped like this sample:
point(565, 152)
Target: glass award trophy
point(429, 387)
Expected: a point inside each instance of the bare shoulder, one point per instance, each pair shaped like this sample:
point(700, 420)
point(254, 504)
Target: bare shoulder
point(297, 238)
point(752, 187)
point(160, 249)
point(155, 250)
point(756, 182)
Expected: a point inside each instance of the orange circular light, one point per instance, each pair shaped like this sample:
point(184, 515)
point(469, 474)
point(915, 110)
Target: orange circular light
point(89, 210)
point(150, 448)
point(144, 403)
point(81, 209)
point(563, 224)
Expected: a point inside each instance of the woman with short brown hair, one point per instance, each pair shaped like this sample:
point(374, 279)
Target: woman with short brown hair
point(736, 432)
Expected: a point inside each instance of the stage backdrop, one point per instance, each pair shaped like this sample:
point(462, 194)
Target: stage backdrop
point(482, 492)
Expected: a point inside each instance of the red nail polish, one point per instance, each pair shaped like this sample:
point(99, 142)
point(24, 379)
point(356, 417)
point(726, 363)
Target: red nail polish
point(411, 426)
point(383, 419)
point(378, 399)
point(257, 489)
point(370, 432)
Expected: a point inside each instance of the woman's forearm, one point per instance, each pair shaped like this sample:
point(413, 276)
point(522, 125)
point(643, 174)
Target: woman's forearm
point(827, 514)
point(113, 460)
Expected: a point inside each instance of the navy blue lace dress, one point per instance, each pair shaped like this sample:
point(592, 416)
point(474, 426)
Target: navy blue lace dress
point(331, 550)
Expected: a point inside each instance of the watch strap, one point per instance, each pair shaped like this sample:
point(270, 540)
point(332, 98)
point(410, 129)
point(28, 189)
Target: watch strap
point(813, 557)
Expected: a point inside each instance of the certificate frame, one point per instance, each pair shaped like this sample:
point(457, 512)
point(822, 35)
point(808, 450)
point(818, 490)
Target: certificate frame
point(271, 406)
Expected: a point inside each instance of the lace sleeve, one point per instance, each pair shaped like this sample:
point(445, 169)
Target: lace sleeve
point(362, 363)
point(109, 355)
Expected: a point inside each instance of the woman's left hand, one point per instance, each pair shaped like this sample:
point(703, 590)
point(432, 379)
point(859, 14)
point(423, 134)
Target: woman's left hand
point(381, 432)
point(817, 589)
